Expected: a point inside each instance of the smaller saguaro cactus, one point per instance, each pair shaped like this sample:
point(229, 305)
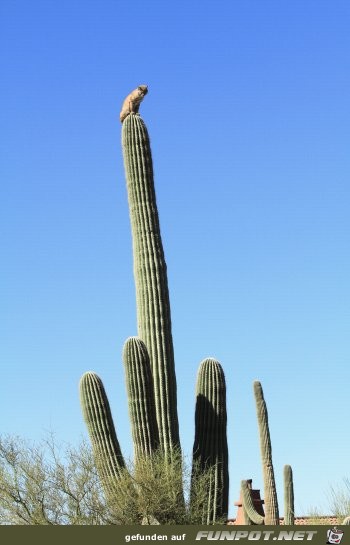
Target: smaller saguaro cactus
point(98, 418)
point(210, 451)
point(288, 495)
point(270, 494)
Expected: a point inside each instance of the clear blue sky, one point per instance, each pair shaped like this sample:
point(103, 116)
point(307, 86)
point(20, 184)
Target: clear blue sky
point(248, 112)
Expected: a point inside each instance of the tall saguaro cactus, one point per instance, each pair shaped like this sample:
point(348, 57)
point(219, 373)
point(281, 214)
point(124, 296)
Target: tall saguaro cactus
point(270, 494)
point(210, 449)
point(152, 296)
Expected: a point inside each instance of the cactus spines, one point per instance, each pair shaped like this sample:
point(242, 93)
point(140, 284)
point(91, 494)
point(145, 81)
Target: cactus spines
point(250, 512)
point(288, 495)
point(152, 295)
point(210, 451)
point(270, 494)
point(139, 387)
point(98, 419)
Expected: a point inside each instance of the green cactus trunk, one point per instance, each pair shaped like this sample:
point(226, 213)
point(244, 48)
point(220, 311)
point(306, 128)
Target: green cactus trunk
point(97, 415)
point(139, 387)
point(152, 295)
point(288, 495)
point(210, 451)
point(270, 494)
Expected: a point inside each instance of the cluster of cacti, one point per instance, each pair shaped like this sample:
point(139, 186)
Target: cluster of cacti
point(150, 374)
point(270, 494)
point(149, 358)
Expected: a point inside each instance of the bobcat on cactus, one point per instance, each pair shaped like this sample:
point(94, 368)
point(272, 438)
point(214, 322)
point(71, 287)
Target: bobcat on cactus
point(132, 102)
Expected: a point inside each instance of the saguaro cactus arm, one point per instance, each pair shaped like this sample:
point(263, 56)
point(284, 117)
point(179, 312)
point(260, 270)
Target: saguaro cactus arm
point(139, 387)
point(98, 418)
point(210, 451)
point(248, 504)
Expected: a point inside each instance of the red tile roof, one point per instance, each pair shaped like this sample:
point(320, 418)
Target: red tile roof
point(330, 520)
